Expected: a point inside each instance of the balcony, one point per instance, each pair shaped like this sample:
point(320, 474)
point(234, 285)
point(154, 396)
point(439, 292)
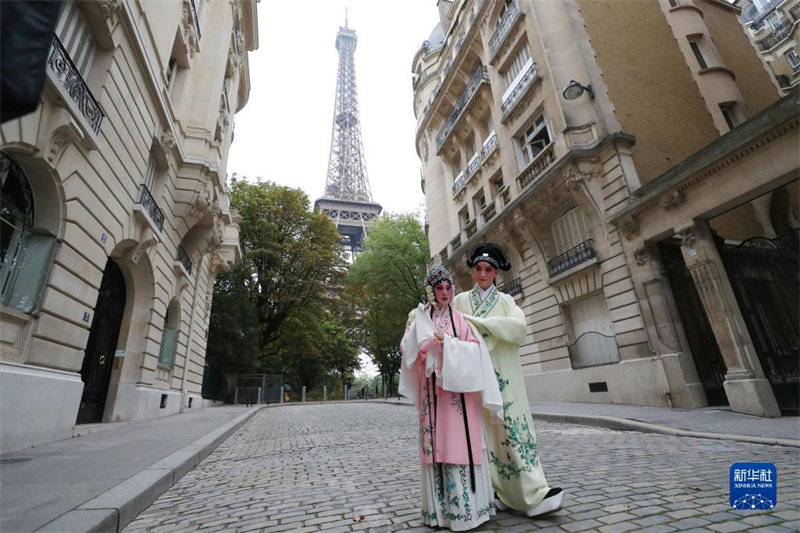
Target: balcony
point(794, 11)
point(471, 228)
point(151, 208)
point(443, 255)
point(473, 166)
point(512, 288)
point(489, 212)
point(478, 77)
point(225, 97)
point(455, 243)
point(183, 259)
point(459, 184)
point(783, 80)
point(505, 195)
point(535, 168)
point(73, 86)
point(510, 17)
point(778, 35)
point(572, 257)
point(489, 146)
point(522, 87)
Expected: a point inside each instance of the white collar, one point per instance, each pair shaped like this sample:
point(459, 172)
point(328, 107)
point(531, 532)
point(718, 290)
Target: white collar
point(483, 293)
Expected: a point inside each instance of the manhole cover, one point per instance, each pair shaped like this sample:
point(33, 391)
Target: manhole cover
point(11, 460)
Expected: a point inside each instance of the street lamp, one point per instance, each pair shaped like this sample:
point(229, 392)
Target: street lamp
point(575, 90)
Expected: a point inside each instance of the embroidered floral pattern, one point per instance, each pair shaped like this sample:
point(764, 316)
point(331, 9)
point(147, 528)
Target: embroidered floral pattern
point(481, 309)
point(520, 439)
point(501, 383)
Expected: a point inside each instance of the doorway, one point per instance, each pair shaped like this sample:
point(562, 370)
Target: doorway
point(103, 336)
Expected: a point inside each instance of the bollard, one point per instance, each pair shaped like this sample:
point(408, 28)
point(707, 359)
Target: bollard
point(304, 393)
point(324, 393)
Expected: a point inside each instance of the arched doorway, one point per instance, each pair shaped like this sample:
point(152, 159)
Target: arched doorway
point(103, 336)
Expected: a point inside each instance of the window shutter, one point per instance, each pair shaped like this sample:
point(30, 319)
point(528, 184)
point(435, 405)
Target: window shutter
point(74, 34)
point(169, 341)
point(570, 230)
point(25, 280)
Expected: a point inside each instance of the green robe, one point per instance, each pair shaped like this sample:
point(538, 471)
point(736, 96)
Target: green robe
point(517, 473)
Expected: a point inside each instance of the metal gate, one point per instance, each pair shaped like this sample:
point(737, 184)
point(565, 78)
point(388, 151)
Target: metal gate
point(764, 276)
point(708, 359)
point(99, 356)
point(256, 388)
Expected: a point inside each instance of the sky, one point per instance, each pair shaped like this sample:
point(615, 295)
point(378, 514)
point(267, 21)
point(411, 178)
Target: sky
point(283, 134)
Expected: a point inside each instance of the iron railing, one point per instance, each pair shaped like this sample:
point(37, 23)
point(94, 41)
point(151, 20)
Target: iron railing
point(777, 35)
point(235, 32)
point(783, 80)
point(572, 257)
point(489, 146)
point(794, 11)
point(196, 19)
point(459, 184)
point(521, 88)
point(504, 27)
point(151, 207)
point(473, 166)
point(478, 77)
point(225, 96)
point(184, 259)
point(71, 79)
point(512, 288)
point(593, 349)
point(535, 168)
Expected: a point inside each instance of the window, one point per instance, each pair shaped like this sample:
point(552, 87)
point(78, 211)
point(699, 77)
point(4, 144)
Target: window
point(728, 111)
point(698, 54)
point(171, 66)
point(169, 336)
point(673, 3)
point(75, 36)
point(480, 202)
point(463, 217)
point(535, 140)
point(489, 126)
point(519, 64)
point(570, 230)
point(150, 174)
point(26, 252)
point(774, 20)
point(499, 185)
point(793, 59)
point(455, 164)
point(502, 12)
point(471, 146)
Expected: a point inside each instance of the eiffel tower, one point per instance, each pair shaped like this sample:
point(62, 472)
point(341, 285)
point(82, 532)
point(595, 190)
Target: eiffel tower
point(347, 199)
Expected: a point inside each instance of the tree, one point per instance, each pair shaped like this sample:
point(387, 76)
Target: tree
point(385, 282)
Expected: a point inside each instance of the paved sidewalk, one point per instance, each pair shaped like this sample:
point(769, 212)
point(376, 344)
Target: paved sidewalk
point(712, 422)
point(41, 484)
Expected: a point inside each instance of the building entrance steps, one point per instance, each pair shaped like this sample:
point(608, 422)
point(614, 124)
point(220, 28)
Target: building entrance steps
point(101, 481)
point(710, 422)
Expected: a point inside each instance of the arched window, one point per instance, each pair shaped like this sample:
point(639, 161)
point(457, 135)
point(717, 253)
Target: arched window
point(169, 336)
point(26, 252)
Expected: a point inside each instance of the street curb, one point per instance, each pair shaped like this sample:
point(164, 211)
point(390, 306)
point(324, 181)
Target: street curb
point(119, 505)
point(626, 424)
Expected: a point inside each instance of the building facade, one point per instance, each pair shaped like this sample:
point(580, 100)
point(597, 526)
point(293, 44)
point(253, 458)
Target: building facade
point(537, 123)
point(116, 216)
point(773, 28)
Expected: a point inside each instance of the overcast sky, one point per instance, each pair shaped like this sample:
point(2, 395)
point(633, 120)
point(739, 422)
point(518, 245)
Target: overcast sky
point(284, 132)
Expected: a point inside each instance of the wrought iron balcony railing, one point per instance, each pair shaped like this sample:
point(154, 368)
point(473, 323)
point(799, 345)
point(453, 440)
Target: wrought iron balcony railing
point(489, 146)
point(783, 80)
point(151, 207)
point(521, 88)
point(225, 96)
point(778, 35)
point(72, 81)
point(572, 257)
point(196, 19)
point(478, 77)
point(535, 168)
point(794, 11)
point(473, 166)
point(459, 184)
point(183, 257)
point(511, 288)
point(504, 26)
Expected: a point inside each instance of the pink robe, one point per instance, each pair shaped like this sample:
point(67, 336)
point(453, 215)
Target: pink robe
point(445, 425)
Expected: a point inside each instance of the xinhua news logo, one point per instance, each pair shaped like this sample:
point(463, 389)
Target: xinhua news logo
point(754, 486)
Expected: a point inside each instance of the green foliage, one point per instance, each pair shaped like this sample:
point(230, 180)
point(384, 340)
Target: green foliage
point(384, 284)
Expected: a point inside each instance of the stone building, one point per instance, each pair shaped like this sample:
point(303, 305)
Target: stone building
point(540, 124)
point(116, 216)
point(773, 28)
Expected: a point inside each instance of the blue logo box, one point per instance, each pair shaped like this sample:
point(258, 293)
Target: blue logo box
point(754, 486)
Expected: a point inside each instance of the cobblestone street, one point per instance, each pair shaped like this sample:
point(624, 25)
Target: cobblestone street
point(353, 467)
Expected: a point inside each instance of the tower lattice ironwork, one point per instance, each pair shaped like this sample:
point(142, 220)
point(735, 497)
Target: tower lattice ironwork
point(347, 199)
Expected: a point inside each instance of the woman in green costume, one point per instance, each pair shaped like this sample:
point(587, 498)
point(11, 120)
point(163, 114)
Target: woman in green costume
point(517, 474)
